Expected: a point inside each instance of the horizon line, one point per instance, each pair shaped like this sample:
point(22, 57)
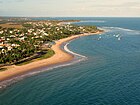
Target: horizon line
point(72, 16)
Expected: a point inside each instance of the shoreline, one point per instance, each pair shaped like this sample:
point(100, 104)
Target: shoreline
point(60, 56)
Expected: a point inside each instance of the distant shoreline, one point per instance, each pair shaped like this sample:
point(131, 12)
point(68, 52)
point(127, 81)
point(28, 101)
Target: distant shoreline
point(60, 56)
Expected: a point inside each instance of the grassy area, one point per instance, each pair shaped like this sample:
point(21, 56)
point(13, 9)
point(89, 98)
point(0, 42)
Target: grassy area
point(24, 63)
point(49, 53)
point(3, 69)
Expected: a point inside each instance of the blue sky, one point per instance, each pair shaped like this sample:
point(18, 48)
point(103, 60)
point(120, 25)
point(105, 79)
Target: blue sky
point(54, 8)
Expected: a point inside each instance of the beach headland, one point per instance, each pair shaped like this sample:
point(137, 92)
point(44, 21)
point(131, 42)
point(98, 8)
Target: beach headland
point(60, 56)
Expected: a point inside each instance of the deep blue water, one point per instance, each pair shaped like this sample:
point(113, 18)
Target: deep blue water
point(110, 75)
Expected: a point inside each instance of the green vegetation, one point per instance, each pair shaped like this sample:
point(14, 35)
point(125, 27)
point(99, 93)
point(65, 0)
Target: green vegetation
point(48, 54)
point(27, 25)
point(3, 69)
point(23, 63)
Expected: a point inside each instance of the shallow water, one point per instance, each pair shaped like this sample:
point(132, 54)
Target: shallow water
point(109, 76)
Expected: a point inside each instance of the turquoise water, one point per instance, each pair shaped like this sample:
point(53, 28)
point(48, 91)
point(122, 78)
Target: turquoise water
point(110, 75)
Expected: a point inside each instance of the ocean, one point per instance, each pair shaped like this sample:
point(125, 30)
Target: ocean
point(108, 74)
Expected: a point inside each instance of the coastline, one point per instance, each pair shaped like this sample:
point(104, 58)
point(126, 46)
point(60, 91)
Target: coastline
point(60, 56)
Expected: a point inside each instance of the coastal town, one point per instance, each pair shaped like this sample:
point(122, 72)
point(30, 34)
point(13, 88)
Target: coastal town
point(69, 52)
point(33, 39)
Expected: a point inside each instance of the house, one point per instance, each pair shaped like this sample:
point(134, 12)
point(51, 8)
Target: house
point(1, 41)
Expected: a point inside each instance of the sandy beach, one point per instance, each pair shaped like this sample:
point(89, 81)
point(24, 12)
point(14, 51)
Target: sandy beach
point(60, 56)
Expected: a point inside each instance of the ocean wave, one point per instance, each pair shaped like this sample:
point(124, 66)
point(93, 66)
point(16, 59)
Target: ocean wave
point(77, 58)
point(71, 52)
point(122, 29)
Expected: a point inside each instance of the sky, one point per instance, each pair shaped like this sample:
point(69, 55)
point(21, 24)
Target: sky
point(70, 8)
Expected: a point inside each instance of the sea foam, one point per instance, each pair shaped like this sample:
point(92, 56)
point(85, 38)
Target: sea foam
point(129, 31)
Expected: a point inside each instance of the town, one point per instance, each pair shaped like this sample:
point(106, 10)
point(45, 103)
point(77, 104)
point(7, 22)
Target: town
point(33, 39)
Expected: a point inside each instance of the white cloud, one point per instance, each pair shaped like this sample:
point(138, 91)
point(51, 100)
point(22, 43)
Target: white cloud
point(71, 7)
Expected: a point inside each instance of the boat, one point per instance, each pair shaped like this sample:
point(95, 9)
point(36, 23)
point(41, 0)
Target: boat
point(119, 38)
point(99, 38)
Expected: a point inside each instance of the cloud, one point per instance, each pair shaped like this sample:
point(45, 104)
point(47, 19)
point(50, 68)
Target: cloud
point(122, 5)
point(11, 1)
point(19, 0)
point(132, 4)
point(71, 7)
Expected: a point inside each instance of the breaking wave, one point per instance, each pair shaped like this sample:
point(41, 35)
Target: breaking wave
point(122, 29)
